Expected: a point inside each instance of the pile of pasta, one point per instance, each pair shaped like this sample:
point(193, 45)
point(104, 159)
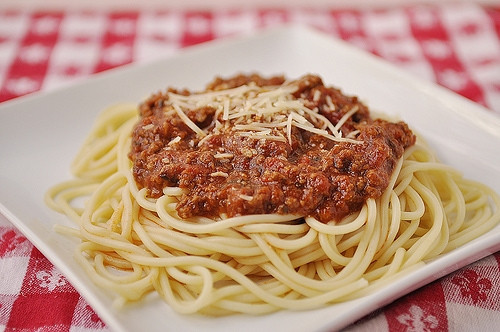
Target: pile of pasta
point(133, 245)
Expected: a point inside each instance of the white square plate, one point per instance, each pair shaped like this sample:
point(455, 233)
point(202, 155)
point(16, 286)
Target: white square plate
point(40, 134)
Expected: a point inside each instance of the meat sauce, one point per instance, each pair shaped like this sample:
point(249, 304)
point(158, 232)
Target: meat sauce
point(236, 175)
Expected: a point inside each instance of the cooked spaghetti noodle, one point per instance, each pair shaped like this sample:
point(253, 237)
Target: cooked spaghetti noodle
point(133, 243)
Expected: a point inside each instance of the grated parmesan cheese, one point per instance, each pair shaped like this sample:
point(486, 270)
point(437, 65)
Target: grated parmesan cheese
point(175, 140)
point(259, 113)
point(317, 95)
point(245, 197)
point(223, 155)
point(346, 116)
point(330, 103)
point(223, 174)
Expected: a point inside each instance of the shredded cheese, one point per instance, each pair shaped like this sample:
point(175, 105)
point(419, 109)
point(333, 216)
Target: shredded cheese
point(175, 140)
point(317, 95)
point(188, 121)
point(346, 116)
point(259, 113)
point(223, 155)
point(245, 197)
point(223, 174)
point(330, 103)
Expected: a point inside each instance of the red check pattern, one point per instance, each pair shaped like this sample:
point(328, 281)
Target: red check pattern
point(455, 45)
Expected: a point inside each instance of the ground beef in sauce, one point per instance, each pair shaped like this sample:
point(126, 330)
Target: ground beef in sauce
point(313, 176)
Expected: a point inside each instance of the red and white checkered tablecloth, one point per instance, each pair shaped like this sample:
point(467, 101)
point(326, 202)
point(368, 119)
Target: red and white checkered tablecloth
point(456, 45)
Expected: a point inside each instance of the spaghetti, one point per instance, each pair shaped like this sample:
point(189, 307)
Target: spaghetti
point(219, 261)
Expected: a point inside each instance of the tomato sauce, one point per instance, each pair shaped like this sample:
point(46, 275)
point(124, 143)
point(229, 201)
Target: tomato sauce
point(237, 175)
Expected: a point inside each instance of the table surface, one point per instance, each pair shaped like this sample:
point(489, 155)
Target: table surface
point(456, 45)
